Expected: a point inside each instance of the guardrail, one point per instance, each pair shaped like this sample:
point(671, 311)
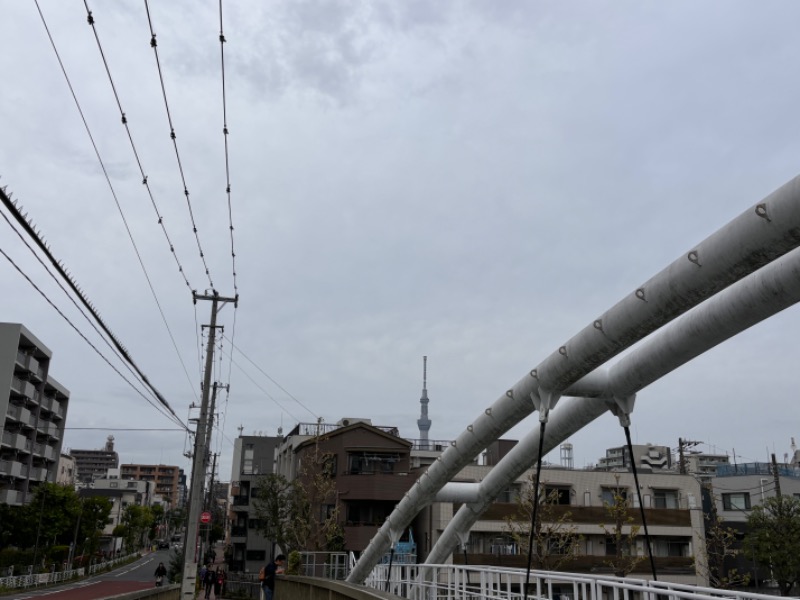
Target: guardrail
point(13, 582)
point(454, 582)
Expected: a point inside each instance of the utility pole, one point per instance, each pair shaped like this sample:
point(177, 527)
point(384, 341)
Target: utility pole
point(776, 476)
point(681, 458)
point(200, 457)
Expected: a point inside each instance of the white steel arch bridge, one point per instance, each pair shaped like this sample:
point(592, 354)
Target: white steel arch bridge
point(742, 274)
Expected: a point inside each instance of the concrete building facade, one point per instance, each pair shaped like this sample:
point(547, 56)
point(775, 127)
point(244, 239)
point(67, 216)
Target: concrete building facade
point(253, 457)
point(673, 510)
point(33, 406)
point(90, 464)
point(165, 479)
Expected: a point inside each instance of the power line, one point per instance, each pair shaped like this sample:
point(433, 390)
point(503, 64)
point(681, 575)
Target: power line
point(264, 373)
point(174, 138)
point(145, 180)
point(32, 233)
point(222, 41)
point(268, 395)
point(85, 339)
point(79, 293)
point(66, 293)
point(91, 21)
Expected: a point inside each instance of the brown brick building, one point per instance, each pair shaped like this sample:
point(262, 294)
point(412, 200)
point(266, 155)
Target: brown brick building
point(165, 478)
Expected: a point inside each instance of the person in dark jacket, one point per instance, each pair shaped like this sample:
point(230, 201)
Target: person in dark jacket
point(161, 572)
point(219, 582)
point(273, 568)
point(211, 578)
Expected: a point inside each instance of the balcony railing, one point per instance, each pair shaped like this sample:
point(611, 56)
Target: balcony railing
point(241, 500)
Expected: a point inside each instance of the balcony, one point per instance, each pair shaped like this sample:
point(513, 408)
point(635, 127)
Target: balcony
point(19, 414)
point(239, 531)
point(10, 497)
point(22, 387)
point(47, 403)
point(16, 441)
point(38, 474)
point(241, 500)
point(13, 468)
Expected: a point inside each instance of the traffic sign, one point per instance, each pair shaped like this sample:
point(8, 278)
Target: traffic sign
point(205, 517)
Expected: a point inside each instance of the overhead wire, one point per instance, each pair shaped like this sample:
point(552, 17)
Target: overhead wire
point(266, 393)
point(33, 234)
point(173, 136)
point(172, 417)
point(265, 374)
point(90, 19)
point(225, 132)
point(29, 230)
point(222, 42)
point(67, 294)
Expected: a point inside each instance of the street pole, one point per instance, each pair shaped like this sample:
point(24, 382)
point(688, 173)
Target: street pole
point(199, 459)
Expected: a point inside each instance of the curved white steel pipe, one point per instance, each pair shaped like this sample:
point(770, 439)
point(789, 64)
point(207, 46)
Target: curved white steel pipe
point(759, 296)
point(753, 239)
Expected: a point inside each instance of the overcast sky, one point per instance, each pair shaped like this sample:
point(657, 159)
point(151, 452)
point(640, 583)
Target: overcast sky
point(471, 181)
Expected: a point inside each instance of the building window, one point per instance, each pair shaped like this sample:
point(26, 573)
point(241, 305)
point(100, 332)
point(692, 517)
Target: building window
point(113, 484)
point(368, 463)
point(511, 494)
point(556, 495)
point(247, 464)
point(608, 495)
point(665, 498)
point(671, 547)
point(611, 546)
point(260, 555)
point(736, 501)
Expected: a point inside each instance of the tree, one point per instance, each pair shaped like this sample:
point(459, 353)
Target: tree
point(94, 517)
point(555, 540)
point(623, 544)
point(773, 539)
point(136, 522)
point(721, 545)
point(301, 514)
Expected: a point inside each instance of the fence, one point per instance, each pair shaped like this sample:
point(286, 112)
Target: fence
point(28, 580)
point(453, 582)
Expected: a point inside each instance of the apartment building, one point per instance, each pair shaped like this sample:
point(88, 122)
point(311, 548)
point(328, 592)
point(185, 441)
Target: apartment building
point(33, 406)
point(253, 457)
point(644, 455)
point(165, 479)
point(579, 499)
point(90, 464)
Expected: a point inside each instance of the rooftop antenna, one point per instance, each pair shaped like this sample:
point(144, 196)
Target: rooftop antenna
point(424, 423)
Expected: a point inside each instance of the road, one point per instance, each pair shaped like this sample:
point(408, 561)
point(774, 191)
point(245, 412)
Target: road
point(137, 575)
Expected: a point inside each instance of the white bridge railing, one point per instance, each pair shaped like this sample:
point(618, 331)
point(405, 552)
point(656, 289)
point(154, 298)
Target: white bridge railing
point(459, 582)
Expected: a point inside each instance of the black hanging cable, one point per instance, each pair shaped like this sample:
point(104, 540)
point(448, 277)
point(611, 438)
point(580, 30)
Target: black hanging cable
point(67, 294)
point(174, 138)
point(91, 21)
point(12, 208)
point(534, 511)
point(266, 393)
point(389, 572)
point(265, 374)
point(641, 504)
point(173, 418)
point(222, 41)
point(145, 180)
